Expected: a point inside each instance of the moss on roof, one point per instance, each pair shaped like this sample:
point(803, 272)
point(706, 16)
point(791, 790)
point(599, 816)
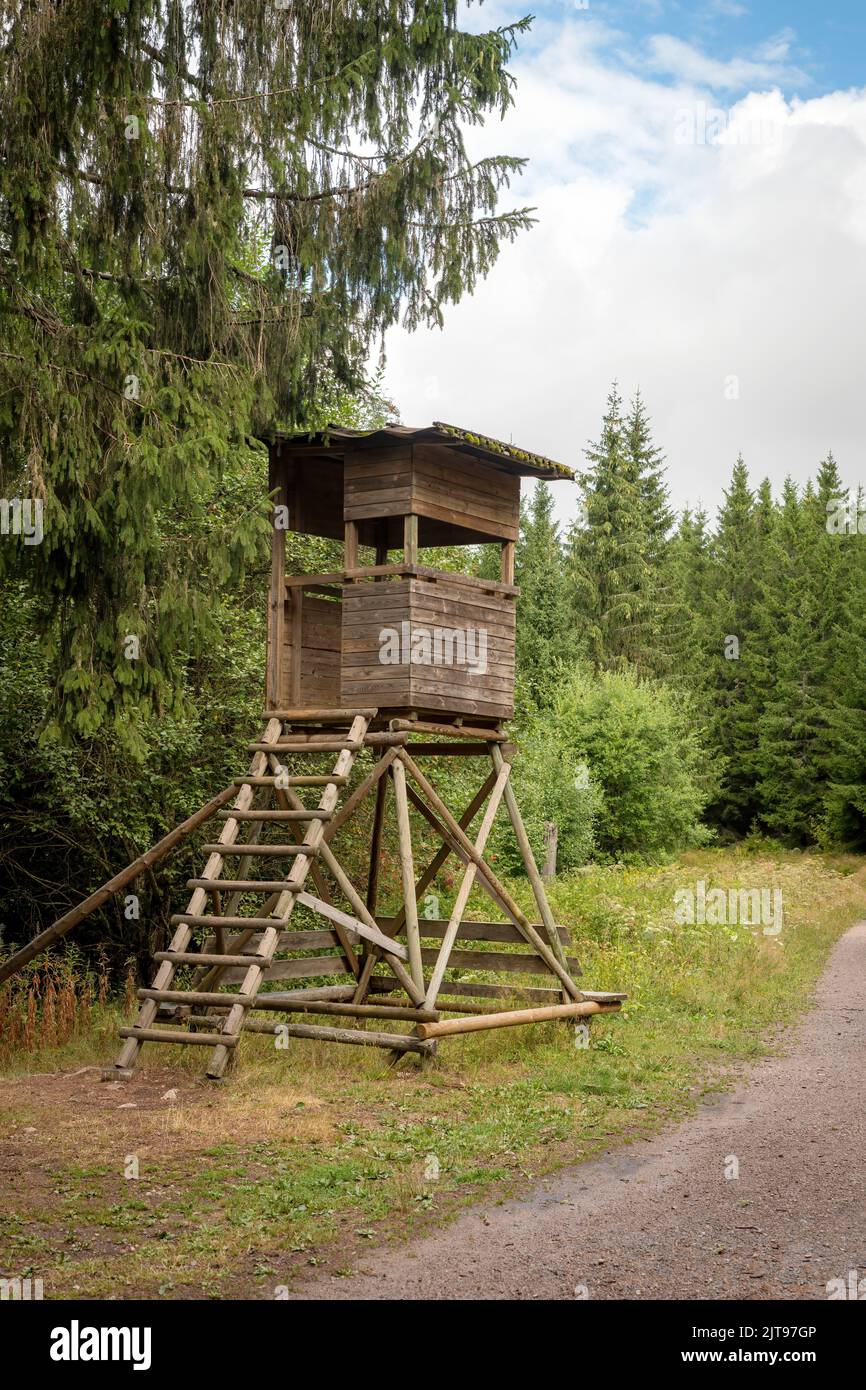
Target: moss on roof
point(482, 444)
point(507, 451)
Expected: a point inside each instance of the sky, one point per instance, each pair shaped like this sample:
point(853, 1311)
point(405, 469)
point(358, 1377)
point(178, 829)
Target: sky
point(699, 178)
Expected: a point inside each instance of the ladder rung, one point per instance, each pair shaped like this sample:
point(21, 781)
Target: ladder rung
point(275, 815)
point(272, 851)
point(196, 996)
point(178, 1035)
point(331, 745)
point(210, 958)
point(235, 923)
point(242, 885)
point(312, 779)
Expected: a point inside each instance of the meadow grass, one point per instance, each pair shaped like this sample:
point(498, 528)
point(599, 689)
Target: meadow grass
point(307, 1155)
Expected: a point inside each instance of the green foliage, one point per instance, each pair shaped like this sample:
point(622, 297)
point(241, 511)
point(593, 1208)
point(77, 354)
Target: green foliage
point(644, 755)
point(783, 704)
point(545, 627)
point(618, 548)
point(552, 786)
point(192, 252)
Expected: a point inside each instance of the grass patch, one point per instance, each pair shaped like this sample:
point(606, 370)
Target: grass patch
point(308, 1156)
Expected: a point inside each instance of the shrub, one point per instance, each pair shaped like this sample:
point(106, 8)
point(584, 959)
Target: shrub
point(635, 743)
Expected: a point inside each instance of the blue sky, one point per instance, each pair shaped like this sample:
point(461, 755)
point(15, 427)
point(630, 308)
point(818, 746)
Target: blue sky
point(699, 178)
point(828, 40)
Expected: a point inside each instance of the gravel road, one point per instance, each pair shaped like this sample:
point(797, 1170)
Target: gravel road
point(661, 1219)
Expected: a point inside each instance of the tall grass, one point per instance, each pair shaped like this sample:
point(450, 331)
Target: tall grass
point(56, 1005)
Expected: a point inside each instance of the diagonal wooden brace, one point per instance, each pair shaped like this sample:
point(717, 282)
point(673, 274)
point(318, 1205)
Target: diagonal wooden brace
point(465, 847)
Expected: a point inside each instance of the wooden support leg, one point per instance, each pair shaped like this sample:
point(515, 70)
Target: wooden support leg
point(450, 830)
point(442, 854)
point(376, 847)
point(465, 889)
point(531, 867)
point(407, 869)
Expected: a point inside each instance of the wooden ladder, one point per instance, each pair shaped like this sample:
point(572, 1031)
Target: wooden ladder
point(281, 896)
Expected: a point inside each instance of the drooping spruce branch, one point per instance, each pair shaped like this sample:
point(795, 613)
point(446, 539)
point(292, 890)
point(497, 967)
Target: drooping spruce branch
point(206, 211)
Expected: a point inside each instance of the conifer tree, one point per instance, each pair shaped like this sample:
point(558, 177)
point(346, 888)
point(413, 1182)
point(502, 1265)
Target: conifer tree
point(206, 211)
point(693, 582)
point(648, 461)
point(545, 624)
point(729, 690)
point(844, 814)
point(792, 724)
point(609, 553)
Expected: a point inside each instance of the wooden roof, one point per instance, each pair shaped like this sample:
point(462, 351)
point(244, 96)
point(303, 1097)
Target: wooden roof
point(507, 456)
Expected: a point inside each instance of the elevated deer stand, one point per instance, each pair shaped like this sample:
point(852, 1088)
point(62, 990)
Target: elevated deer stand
point(406, 663)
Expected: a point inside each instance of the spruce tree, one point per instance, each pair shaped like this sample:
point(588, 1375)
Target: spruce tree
point(609, 554)
point(648, 462)
point(792, 723)
point(545, 625)
point(208, 212)
point(692, 570)
point(844, 817)
point(729, 689)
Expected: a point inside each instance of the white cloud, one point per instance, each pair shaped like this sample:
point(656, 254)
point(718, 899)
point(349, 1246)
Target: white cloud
point(684, 62)
point(670, 266)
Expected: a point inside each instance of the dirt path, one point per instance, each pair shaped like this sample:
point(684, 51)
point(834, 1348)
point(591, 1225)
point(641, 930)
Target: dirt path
point(665, 1222)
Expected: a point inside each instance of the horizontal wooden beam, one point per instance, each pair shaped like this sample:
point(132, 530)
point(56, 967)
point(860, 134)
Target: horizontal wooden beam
point(397, 1010)
point(426, 726)
point(476, 1023)
point(399, 570)
point(356, 1037)
point(178, 1035)
point(314, 716)
point(434, 929)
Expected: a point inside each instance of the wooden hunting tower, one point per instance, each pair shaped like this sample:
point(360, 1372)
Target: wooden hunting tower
point(404, 490)
point(372, 668)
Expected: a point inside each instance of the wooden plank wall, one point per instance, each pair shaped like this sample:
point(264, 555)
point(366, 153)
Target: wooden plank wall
point(449, 486)
point(317, 682)
point(431, 480)
point(443, 603)
point(377, 483)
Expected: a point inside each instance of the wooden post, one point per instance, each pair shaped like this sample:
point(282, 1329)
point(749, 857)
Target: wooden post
point(350, 546)
point(407, 869)
point(381, 533)
point(551, 835)
point(508, 549)
point(530, 864)
point(465, 889)
point(376, 847)
point(410, 540)
point(277, 599)
point(297, 612)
